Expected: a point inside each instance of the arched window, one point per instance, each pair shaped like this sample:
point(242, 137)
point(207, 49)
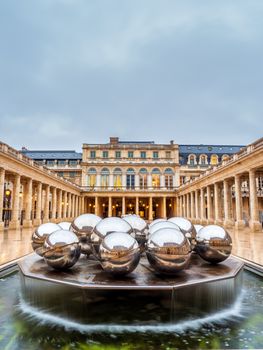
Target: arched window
point(214, 159)
point(191, 159)
point(168, 177)
point(130, 178)
point(202, 159)
point(143, 178)
point(91, 177)
point(117, 177)
point(105, 177)
point(156, 174)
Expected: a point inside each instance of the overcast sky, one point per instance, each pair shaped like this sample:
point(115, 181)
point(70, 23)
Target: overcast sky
point(75, 71)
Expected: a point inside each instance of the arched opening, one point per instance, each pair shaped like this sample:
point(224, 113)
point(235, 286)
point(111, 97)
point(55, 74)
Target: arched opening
point(143, 178)
point(156, 175)
point(130, 179)
point(105, 178)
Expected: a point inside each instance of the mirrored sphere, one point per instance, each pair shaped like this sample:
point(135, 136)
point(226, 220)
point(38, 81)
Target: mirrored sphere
point(155, 222)
point(65, 225)
point(40, 234)
point(140, 228)
point(185, 226)
point(119, 253)
point(61, 249)
point(83, 226)
point(105, 227)
point(168, 251)
point(162, 224)
point(198, 228)
point(213, 244)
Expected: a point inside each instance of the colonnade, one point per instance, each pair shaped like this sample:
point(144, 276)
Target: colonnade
point(26, 201)
point(233, 201)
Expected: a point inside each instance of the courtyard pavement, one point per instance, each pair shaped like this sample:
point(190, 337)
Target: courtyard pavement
point(17, 243)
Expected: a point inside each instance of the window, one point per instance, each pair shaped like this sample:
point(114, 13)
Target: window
point(168, 154)
point(50, 162)
point(191, 160)
point(143, 154)
point(202, 160)
point(72, 174)
point(117, 154)
point(225, 157)
point(155, 155)
point(105, 154)
point(168, 176)
point(143, 178)
point(61, 162)
point(214, 159)
point(92, 154)
point(73, 163)
point(91, 178)
point(60, 173)
point(117, 178)
point(130, 154)
point(130, 179)
point(105, 177)
point(156, 174)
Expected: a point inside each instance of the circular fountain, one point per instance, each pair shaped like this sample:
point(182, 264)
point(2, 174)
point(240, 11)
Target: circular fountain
point(180, 284)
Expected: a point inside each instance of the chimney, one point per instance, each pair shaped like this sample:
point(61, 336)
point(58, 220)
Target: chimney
point(24, 148)
point(114, 140)
point(171, 142)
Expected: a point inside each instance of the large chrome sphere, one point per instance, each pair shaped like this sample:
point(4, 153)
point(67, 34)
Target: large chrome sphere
point(106, 226)
point(185, 226)
point(162, 224)
point(65, 225)
point(140, 228)
point(198, 228)
point(168, 251)
point(119, 253)
point(62, 249)
point(83, 226)
point(155, 222)
point(40, 234)
point(213, 244)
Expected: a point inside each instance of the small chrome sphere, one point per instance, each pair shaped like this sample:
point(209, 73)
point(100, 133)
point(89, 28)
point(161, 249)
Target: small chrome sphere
point(155, 222)
point(62, 249)
point(140, 228)
point(105, 227)
point(65, 225)
point(168, 251)
point(40, 234)
point(120, 253)
point(185, 226)
point(213, 244)
point(83, 226)
point(162, 224)
point(198, 228)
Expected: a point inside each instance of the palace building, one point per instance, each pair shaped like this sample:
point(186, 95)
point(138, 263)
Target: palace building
point(141, 177)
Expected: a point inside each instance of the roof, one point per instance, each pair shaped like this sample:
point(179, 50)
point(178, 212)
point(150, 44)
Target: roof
point(209, 149)
point(55, 154)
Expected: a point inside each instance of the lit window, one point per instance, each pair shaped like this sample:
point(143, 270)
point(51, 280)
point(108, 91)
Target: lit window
point(214, 159)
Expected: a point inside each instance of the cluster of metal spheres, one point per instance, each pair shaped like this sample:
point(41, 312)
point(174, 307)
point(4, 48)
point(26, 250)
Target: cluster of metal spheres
point(118, 243)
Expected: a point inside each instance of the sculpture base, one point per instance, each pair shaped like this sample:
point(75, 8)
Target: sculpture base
point(86, 295)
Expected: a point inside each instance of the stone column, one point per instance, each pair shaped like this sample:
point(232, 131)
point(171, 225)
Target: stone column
point(110, 207)
point(14, 223)
point(46, 208)
point(73, 205)
point(2, 188)
point(97, 205)
point(227, 221)
point(240, 223)
point(209, 206)
point(137, 205)
point(192, 203)
point(254, 223)
point(70, 205)
point(184, 206)
point(38, 219)
point(28, 204)
point(82, 206)
point(59, 205)
point(64, 208)
point(54, 204)
point(197, 208)
point(150, 208)
point(123, 207)
point(202, 206)
point(217, 203)
point(164, 208)
point(188, 208)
